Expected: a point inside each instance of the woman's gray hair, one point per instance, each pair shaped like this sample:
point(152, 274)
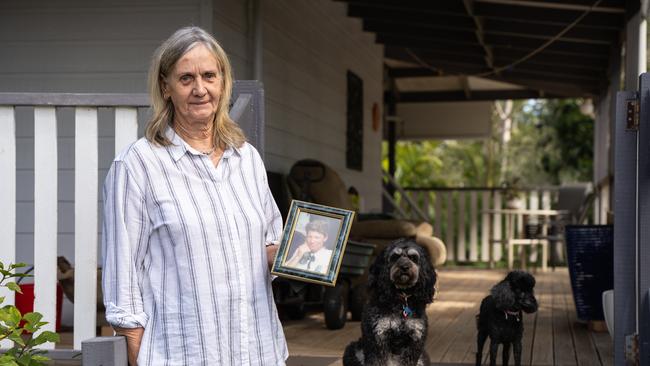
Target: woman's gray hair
point(225, 130)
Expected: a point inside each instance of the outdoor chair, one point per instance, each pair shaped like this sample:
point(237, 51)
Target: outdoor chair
point(574, 201)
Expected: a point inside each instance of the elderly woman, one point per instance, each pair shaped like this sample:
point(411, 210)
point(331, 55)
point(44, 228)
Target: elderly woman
point(190, 223)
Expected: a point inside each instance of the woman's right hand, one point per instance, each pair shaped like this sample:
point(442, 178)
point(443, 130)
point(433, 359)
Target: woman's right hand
point(299, 252)
point(133, 339)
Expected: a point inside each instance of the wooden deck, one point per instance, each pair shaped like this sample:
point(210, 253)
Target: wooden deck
point(552, 336)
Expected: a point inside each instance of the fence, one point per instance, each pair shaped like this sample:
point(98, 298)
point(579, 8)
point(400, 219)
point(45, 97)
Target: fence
point(458, 217)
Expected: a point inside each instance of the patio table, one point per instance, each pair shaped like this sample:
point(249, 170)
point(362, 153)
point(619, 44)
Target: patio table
point(512, 237)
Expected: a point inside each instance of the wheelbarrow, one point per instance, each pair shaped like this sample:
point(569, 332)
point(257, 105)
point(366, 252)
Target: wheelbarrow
point(294, 297)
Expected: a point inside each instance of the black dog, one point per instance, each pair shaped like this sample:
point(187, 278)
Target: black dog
point(394, 322)
point(501, 316)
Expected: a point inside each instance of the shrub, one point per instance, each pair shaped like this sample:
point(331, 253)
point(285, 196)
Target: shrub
point(15, 326)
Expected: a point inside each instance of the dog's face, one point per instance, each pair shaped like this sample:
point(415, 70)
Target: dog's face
point(403, 263)
point(404, 266)
point(516, 292)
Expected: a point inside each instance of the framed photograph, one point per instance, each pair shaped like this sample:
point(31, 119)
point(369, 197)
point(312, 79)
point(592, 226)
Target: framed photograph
point(313, 243)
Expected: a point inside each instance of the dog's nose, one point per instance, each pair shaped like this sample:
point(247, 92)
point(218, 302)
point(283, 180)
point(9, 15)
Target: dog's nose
point(404, 266)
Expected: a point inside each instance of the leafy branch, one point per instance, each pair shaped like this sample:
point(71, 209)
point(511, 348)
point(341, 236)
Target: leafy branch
point(16, 327)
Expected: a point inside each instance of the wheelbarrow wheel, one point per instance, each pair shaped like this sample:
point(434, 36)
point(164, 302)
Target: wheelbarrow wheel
point(357, 301)
point(335, 305)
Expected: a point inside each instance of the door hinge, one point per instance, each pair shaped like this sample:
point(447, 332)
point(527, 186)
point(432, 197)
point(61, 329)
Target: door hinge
point(632, 349)
point(632, 114)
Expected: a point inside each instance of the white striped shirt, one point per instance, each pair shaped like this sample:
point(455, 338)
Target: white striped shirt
point(184, 255)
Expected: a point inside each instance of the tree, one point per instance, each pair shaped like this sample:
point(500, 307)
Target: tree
point(548, 142)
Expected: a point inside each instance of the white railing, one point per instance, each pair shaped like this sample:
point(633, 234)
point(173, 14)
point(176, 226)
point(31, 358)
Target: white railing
point(458, 217)
point(46, 200)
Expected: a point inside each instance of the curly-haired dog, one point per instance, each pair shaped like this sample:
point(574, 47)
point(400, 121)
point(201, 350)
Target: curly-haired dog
point(394, 322)
point(501, 316)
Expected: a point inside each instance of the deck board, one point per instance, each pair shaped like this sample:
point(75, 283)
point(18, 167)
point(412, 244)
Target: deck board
point(562, 332)
point(542, 351)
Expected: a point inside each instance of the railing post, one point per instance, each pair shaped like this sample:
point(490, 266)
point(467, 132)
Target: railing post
point(85, 234)
point(45, 215)
point(7, 196)
point(485, 227)
point(460, 231)
point(126, 127)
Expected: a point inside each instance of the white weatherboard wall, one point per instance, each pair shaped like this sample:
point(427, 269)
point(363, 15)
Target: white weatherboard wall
point(86, 46)
point(308, 48)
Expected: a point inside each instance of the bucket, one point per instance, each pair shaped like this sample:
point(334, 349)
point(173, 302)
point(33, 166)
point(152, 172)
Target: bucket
point(25, 302)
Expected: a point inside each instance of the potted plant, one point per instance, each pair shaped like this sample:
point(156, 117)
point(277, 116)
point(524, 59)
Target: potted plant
point(14, 326)
point(513, 193)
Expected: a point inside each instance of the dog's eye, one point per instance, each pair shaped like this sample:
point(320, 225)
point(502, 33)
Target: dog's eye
point(394, 257)
point(414, 257)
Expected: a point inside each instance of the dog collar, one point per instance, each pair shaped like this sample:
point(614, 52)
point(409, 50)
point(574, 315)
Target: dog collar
point(516, 314)
point(407, 312)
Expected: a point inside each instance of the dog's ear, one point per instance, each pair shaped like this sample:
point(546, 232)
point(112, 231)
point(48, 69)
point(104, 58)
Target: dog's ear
point(376, 268)
point(503, 295)
point(428, 276)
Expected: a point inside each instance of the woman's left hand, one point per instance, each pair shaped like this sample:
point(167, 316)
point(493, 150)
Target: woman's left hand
point(271, 251)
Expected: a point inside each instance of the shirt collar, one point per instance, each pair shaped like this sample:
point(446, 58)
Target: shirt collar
point(179, 147)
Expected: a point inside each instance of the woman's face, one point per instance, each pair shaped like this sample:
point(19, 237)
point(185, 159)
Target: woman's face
point(315, 240)
point(194, 86)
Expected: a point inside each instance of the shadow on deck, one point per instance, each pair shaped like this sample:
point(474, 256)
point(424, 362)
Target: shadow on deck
point(552, 336)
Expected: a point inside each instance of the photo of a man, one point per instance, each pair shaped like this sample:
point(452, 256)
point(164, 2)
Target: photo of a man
point(312, 254)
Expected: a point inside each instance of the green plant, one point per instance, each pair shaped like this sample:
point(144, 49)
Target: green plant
point(16, 327)
point(512, 189)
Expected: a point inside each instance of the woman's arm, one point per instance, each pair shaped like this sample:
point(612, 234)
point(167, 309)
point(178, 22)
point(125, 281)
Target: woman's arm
point(126, 230)
point(133, 340)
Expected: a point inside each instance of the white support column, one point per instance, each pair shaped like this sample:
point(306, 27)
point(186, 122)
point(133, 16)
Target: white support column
point(45, 215)
point(126, 127)
point(635, 50)
point(7, 197)
point(85, 236)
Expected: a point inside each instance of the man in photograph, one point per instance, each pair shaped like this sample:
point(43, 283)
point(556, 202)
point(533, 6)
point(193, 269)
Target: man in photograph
point(312, 254)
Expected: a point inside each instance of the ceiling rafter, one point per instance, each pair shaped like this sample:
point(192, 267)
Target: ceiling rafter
point(566, 5)
point(480, 35)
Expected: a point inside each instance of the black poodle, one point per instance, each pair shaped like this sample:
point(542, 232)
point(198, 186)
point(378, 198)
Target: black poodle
point(394, 321)
point(501, 316)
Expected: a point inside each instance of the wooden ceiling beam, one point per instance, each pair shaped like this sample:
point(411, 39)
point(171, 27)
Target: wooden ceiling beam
point(612, 6)
point(550, 16)
point(559, 45)
point(428, 7)
point(480, 34)
point(587, 74)
point(430, 44)
point(400, 53)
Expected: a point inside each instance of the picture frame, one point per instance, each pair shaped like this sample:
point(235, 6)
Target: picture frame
point(313, 243)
